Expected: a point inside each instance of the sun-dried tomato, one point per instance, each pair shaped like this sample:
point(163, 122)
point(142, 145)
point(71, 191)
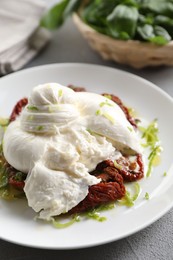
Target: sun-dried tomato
point(18, 108)
point(111, 188)
point(77, 89)
point(128, 171)
point(118, 101)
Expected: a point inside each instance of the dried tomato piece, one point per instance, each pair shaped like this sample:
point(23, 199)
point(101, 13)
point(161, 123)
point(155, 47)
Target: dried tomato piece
point(18, 108)
point(131, 171)
point(111, 188)
point(77, 89)
point(102, 165)
point(118, 101)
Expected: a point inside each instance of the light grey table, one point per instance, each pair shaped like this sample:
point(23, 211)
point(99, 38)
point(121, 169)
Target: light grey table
point(154, 242)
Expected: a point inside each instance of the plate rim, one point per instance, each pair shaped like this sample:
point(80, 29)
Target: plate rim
point(75, 64)
point(71, 64)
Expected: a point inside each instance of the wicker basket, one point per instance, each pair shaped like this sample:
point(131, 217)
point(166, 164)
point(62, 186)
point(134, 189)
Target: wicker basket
point(134, 53)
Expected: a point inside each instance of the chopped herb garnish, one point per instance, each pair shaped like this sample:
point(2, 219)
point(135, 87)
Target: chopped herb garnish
point(40, 128)
point(130, 129)
point(96, 216)
point(108, 96)
point(91, 214)
point(128, 199)
point(3, 174)
point(95, 213)
point(151, 158)
point(165, 174)
point(132, 112)
point(93, 133)
point(19, 176)
point(117, 165)
point(58, 224)
point(30, 118)
point(50, 109)
point(150, 134)
point(4, 122)
point(60, 93)
point(3, 179)
point(147, 197)
point(109, 117)
point(98, 112)
point(32, 108)
point(106, 103)
point(104, 207)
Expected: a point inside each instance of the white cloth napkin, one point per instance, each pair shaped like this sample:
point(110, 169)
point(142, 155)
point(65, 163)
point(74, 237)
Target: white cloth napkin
point(21, 38)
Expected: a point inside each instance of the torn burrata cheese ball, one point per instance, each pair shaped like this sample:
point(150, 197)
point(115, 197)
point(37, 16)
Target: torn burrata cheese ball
point(60, 137)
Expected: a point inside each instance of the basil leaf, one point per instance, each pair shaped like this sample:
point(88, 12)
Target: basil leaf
point(156, 34)
point(123, 19)
point(129, 2)
point(160, 31)
point(159, 40)
point(146, 19)
point(164, 7)
point(55, 16)
point(146, 32)
point(72, 6)
point(96, 12)
point(165, 22)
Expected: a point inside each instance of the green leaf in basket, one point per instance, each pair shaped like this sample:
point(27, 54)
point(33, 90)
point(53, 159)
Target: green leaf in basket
point(55, 16)
point(160, 31)
point(146, 32)
point(71, 7)
point(146, 19)
point(156, 34)
point(95, 12)
point(123, 19)
point(159, 40)
point(163, 7)
point(165, 22)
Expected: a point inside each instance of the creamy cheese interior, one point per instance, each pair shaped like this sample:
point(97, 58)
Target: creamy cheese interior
point(59, 138)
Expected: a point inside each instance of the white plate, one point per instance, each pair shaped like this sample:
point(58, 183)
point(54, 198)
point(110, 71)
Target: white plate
point(16, 219)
